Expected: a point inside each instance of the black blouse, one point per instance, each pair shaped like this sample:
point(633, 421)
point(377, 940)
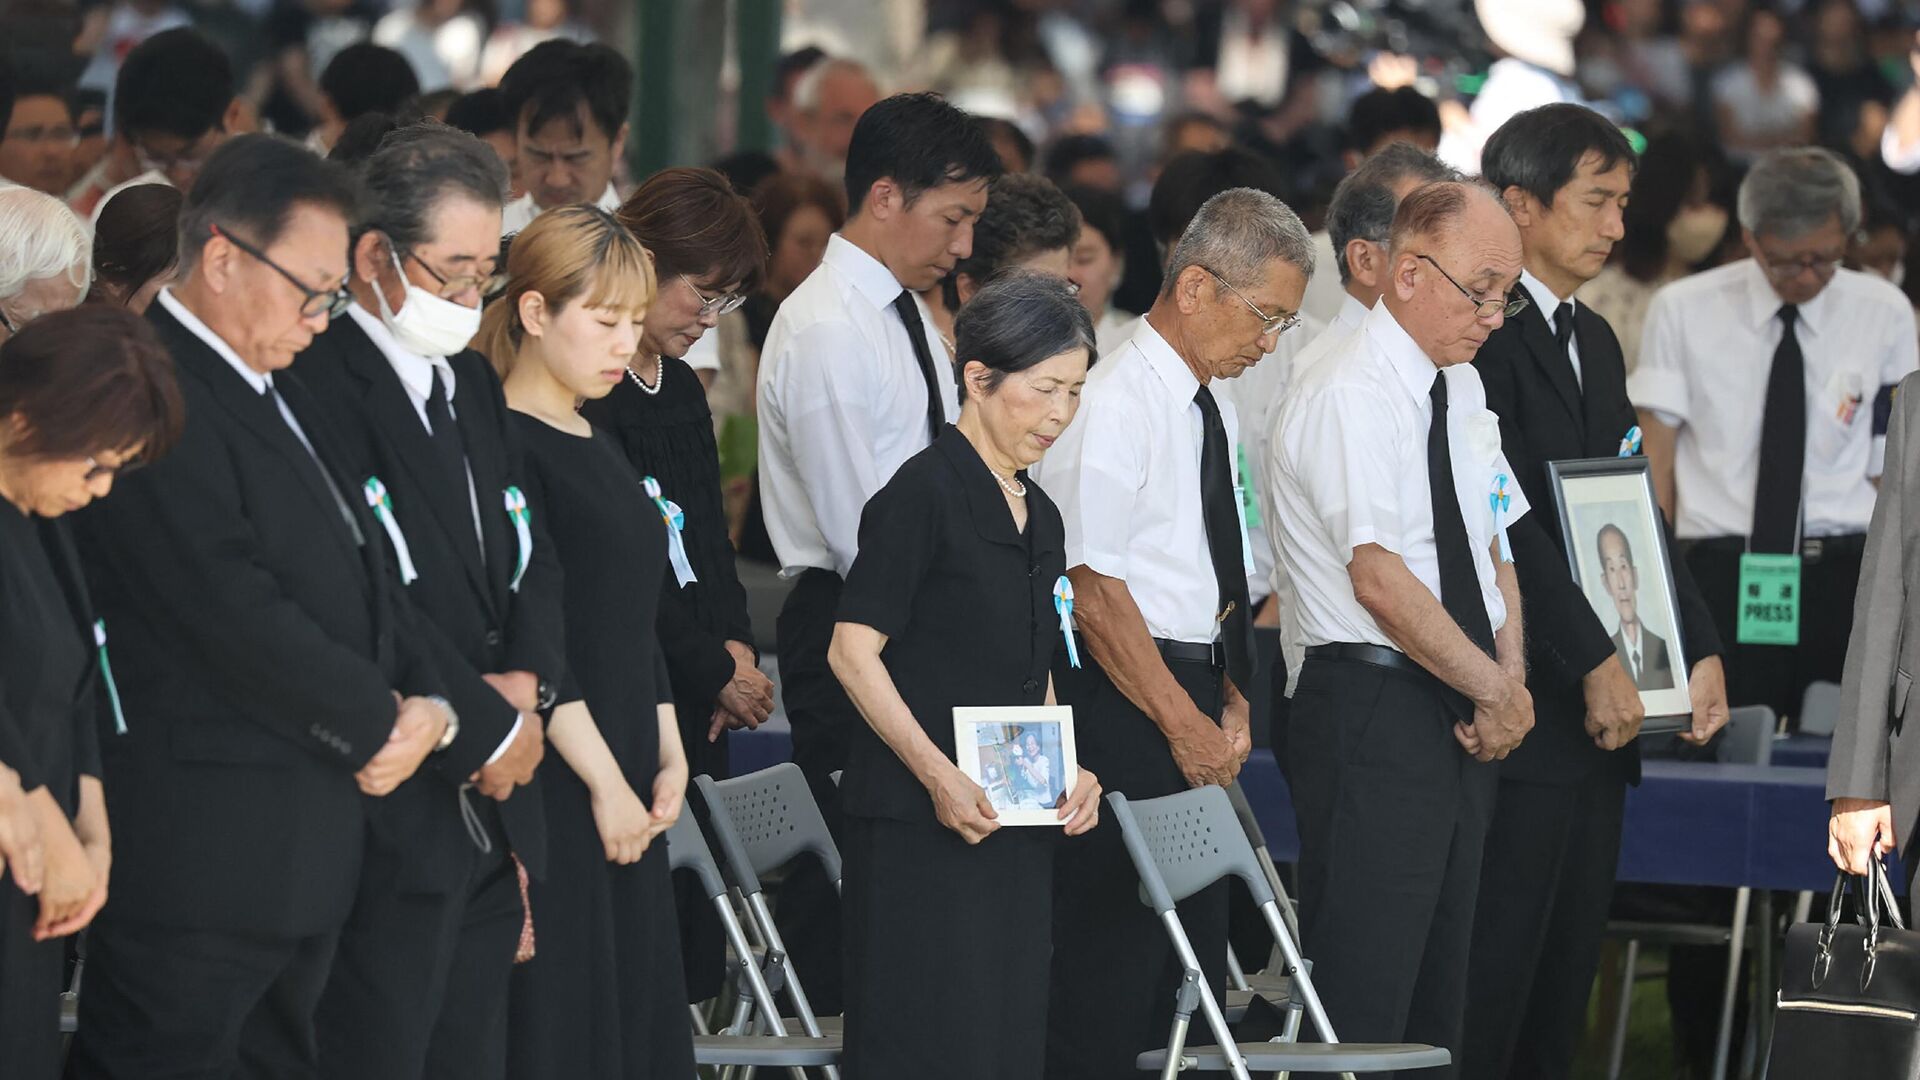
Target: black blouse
point(965, 600)
point(47, 721)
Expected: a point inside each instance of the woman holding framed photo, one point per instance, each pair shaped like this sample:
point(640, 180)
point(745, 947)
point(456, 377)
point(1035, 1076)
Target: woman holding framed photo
point(951, 604)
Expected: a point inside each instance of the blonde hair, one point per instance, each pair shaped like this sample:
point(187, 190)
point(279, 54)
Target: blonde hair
point(569, 254)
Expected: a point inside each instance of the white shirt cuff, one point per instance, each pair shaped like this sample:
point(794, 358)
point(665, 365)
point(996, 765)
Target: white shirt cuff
point(512, 734)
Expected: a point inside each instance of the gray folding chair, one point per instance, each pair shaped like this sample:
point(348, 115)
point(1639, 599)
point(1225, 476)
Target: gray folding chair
point(1180, 844)
point(762, 822)
point(1820, 708)
point(738, 1044)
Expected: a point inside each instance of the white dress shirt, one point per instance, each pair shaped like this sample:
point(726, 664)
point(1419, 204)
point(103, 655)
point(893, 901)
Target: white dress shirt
point(1704, 359)
point(1350, 468)
point(1126, 476)
point(1549, 303)
point(520, 213)
point(1256, 396)
point(1901, 159)
point(1512, 87)
point(1113, 330)
point(1325, 294)
point(842, 406)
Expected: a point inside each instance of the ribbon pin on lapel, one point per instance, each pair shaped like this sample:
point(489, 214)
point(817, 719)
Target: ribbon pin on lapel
point(1063, 603)
point(382, 505)
point(522, 532)
point(1501, 502)
point(106, 676)
point(1630, 442)
point(676, 521)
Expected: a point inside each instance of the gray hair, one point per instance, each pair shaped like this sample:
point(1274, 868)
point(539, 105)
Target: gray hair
point(1789, 193)
point(806, 92)
point(40, 238)
point(1236, 234)
point(418, 166)
point(1018, 320)
point(1364, 203)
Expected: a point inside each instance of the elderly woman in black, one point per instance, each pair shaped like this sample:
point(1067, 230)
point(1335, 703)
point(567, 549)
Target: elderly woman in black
point(950, 602)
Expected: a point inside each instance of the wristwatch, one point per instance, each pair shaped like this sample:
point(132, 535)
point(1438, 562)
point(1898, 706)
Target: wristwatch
point(546, 695)
point(453, 721)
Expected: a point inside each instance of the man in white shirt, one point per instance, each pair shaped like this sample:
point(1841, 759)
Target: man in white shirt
point(569, 106)
point(1157, 551)
point(1763, 388)
point(1414, 683)
point(850, 388)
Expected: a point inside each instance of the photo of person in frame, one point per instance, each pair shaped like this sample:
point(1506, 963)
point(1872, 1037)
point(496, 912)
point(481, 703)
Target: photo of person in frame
point(1642, 652)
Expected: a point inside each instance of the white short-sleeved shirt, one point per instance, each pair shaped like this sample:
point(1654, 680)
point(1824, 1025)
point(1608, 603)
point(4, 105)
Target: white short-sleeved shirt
point(843, 404)
point(1704, 359)
point(518, 214)
point(1256, 396)
point(1350, 468)
point(1761, 112)
point(1126, 476)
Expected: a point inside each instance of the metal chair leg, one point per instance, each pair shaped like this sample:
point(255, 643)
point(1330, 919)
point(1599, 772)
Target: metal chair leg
point(1236, 977)
point(1618, 1052)
point(1723, 1045)
point(1216, 1020)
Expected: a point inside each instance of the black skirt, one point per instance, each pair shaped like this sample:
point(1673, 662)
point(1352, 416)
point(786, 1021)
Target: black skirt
point(948, 951)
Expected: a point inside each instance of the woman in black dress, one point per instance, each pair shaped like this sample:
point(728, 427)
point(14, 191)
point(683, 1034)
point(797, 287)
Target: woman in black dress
point(950, 602)
point(603, 996)
point(84, 394)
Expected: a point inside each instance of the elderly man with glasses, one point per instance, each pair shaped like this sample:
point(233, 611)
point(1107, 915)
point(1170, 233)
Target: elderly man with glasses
point(1764, 388)
point(1394, 498)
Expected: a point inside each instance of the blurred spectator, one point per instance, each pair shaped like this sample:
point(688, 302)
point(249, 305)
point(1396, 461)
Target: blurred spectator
point(545, 21)
point(1535, 38)
point(90, 133)
point(1650, 56)
point(483, 113)
point(1084, 161)
point(172, 107)
point(569, 103)
point(136, 245)
point(1900, 145)
point(430, 106)
point(747, 169)
point(798, 213)
point(442, 39)
point(362, 136)
point(304, 36)
point(1194, 131)
point(1764, 101)
point(1099, 261)
point(45, 260)
point(1028, 224)
point(1671, 226)
point(1879, 246)
point(786, 77)
point(108, 32)
point(1854, 94)
point(1249, 57)
point(1016, 150)
point(37, 150)
point(827, 101)
point(989, 64)
point(360, 79)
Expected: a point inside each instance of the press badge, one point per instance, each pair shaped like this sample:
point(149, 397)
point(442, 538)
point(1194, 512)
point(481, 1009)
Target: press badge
point(1769, 612)
point(1243, 501)
point(1847, 392)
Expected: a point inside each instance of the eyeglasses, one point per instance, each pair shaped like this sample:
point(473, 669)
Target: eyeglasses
point(724, 304)
point(188, 161)
point(97, 471)
point(1270, 325)
point(1483, 308)
point(1788, 269)
point(453, 285)
point(329, 302)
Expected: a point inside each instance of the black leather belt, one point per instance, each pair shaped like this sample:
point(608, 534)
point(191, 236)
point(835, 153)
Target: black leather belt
point(1213, 653)
point(1377, 655)
point(1813, 549)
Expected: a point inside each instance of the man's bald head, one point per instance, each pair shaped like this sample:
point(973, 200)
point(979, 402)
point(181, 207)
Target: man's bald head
point(1455, 253)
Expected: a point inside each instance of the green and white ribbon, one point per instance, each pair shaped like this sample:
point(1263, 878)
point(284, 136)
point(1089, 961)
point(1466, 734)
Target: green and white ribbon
point(382, 505)
point(106, 676)
point(676, 521)
point(522, 519)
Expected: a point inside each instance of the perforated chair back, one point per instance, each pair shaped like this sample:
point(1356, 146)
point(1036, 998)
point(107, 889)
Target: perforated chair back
point(687, 850)
point(762, 821)
point(1185, 842)
point(1749, 737)
point(1820, 708)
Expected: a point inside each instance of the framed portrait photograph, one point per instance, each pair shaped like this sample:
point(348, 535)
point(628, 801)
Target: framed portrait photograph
point(1022, 756)
point(1619, 556)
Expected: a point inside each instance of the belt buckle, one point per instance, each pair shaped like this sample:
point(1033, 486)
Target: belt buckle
point(1812, 548)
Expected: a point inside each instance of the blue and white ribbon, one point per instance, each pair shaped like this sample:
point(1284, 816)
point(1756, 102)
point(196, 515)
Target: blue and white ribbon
point(1063, 603)
point(522, 532)
point(382, 505)
point(1630, 442)
point(1501, 503)
point(106, 676)
point(676, 521)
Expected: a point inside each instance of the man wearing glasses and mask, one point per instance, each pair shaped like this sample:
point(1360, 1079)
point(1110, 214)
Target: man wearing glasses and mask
point(1764, 388)
point(420, 982)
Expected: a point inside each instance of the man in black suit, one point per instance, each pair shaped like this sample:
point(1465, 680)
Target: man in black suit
point(1555, 377)
point(420, 984)
point(273, 677)
point(1642, 652)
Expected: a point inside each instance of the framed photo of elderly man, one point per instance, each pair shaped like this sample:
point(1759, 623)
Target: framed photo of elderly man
point(1023, 756)
point(1619, 556)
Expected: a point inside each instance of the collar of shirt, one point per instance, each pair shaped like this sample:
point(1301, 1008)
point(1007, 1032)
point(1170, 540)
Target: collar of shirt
point(520, 213)
point(1172, 371)
point(1544, 298)
point(256, 379)
point(1416, 371)
point(870, 276)
point(415, 371)
point(1352, 314)
point(1764, 304)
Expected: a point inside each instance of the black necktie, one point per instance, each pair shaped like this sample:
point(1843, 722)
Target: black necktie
point(446, 431)
point(917, 333)
point(1220, 512)
point(1459, 582)
point(1563, 334)
point(1783, 445)
point(280, 412)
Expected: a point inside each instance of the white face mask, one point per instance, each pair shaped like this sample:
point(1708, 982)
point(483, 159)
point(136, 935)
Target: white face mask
point(426, 324)
point(1694, 232)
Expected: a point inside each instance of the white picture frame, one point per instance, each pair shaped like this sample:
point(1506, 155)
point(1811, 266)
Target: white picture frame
point(1023, 756)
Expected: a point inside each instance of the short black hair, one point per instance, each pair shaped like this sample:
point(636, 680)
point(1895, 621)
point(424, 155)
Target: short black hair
point(789, 68)
point(551, 80)
point(251, 185)
point(1539, 150)
point(1378, 113)
point(39, 80)
point(416, 166)
point(367, 78)
point(177, 82)
point(1661, 185)
point(361, 137)
point(1025, 214)
point(1101, 211)
point(922, 142)
point(1022, 142)
point(481, 112)
point(746, 169)
point(1069, 151)
point(1192, 178)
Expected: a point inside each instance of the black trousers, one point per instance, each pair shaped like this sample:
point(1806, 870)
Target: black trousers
point(163, 1001)
point(1393, 815)
point(1777, 675)
point(1114, 970)
point(29, 989)
point(807, 907)
point(1546, 880)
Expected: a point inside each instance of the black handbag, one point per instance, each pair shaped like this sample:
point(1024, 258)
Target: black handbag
point(1849, 1004)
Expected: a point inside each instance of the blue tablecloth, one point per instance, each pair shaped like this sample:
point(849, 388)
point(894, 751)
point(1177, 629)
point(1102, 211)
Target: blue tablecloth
point(1810, 751)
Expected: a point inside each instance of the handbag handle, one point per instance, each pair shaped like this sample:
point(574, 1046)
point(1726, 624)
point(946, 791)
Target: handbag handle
point(1875, 892)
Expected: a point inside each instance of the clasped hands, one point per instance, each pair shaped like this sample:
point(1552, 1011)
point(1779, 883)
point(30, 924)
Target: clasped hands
point(746, 700)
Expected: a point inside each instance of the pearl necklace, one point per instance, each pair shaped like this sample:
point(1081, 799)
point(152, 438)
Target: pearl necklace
point(659, 379)
point(1012, 487)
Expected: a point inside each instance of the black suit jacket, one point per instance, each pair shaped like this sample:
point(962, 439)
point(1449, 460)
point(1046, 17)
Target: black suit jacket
point(257, 648)
point(1547, 415)
point(1656, 669)
point(464, 594)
